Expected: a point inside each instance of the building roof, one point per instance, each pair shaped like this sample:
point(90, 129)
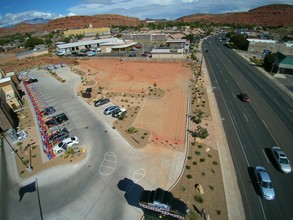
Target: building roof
point(284, 61)
point(86, 42)
point(124, 45)
point(176, 41)
point(262, 41)
point(166, 51)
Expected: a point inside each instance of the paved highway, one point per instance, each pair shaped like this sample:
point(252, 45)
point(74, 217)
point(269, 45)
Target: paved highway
point(252, 128)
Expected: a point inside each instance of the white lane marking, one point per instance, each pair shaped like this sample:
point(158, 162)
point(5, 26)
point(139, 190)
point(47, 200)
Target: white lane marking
point(108, 165)
point(245, 117)
point(265, 155)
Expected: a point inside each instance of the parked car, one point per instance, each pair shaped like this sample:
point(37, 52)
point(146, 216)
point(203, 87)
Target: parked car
point(31, 80)
point(21, 135)
point(118, 113)
point(244, 97)
point(264, 183)
point(281, 159)
point(101, 102)
point(56, 120)
point(58, 136)
point(110, 109)
point(63, 145)
point(48, 111)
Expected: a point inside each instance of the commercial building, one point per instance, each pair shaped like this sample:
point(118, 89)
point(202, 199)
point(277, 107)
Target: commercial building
point(10, 101)
point(145, 37)
point(283, 64)
point(176, 48)
point(261, 45)
point(105, 45)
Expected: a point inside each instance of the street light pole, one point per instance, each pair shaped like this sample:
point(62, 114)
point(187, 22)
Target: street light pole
point(28, 168)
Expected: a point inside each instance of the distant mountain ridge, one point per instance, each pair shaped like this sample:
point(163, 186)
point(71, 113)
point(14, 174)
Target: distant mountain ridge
point(36, 21)
point(270, 15)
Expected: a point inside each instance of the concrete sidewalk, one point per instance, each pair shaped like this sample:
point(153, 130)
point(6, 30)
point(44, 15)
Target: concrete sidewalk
point(233, 197)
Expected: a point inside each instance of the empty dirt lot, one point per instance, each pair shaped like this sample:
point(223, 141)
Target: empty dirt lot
point(165, 116)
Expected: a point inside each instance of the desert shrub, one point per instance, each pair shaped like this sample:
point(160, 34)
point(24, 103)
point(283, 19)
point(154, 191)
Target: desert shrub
point(198, 198)
point(189, 176)
point(215, 162)
point(199, 146)
point(197, 152)
point(218, 212)
point(203, 173)
point(187, 167)
point(189, 157)
point(202, 160)
point(209, 155)
point(194, 163)
point(211, 187)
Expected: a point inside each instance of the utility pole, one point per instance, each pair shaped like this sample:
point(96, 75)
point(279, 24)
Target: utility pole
point(28, 168)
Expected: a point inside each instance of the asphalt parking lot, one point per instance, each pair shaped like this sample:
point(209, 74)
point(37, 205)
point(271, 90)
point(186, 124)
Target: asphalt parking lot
point(92, 187)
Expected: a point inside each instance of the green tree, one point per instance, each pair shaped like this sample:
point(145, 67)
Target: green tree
point(200, 132)
point(132, 130)
point(240, 41)
point(32, 41)
point(268, 62)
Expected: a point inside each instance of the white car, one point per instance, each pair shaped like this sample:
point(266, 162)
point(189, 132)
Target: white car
point(64, 144)
point(281, 159)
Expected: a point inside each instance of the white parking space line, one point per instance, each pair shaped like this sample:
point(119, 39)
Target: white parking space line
point(108, 165)
point(138, 175)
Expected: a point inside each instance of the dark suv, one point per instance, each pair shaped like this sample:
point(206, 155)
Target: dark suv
point(56, 120)
point(101, 102)
point(59, 135)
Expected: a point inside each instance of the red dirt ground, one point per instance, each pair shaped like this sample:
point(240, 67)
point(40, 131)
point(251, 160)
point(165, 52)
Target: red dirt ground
point(164, 117)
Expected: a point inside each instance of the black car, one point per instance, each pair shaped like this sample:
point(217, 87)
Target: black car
point(101, 102)
point(58, 136)
point(48, 111)
point(244, 97)
point(56, 120)
point(31, 80)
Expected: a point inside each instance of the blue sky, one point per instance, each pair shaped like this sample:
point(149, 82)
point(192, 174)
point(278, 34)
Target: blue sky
point(16, 11)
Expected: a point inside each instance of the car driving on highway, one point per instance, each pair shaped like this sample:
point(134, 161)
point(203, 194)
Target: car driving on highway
point(264, 183)
point(244, 97)
point(281, 159)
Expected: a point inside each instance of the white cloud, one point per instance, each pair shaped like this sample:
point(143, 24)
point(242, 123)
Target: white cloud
point(168, 9)
point(12, 19)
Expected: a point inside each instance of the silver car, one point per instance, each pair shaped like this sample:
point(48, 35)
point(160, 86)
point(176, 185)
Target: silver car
point(281, 159)
point(264, 183)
